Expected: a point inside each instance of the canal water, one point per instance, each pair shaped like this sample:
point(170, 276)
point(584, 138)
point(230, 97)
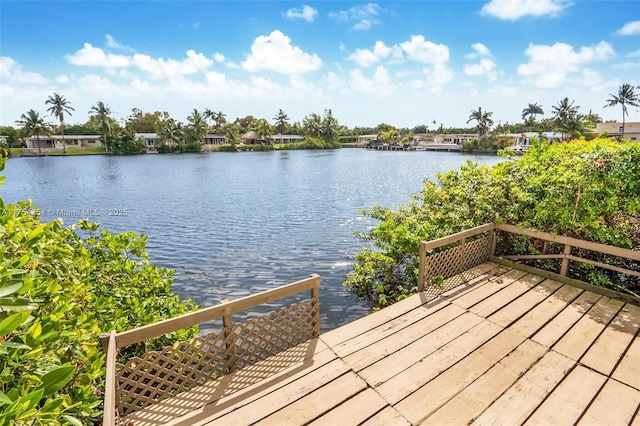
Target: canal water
point(233, 224)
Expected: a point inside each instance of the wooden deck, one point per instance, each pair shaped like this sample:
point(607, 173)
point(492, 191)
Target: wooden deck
point(504, 347)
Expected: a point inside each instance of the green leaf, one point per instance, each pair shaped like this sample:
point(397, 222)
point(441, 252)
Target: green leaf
point(10, 288)
point(10, 323)
point(57, 378)
point(72, 420)
point(16, 305)
point(30, 400)
point(4, 399)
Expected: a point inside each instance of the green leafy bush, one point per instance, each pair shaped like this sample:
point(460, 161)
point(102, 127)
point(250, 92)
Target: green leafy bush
point(60, 287)
point(587, 190)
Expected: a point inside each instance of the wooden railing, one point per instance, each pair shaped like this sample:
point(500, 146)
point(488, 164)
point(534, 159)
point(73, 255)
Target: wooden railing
point(159, 374)
point(446, 257)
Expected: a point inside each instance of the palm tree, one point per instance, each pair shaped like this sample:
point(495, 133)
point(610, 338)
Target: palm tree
point(564, 115)
point(59, 107)
point(232, 138)
point(103, 115)
point(626, 96)
point(264, 129)
point(219, 118)
point(312, 125)
point(209, 114)
point(33, 125)
point(197, 126)
point(531, 111)
point(170, 134)
point(282, 123)
point(329, 125)
point(483, 121)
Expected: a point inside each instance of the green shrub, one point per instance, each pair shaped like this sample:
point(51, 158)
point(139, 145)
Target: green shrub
point(587, 190)
point(60, 287)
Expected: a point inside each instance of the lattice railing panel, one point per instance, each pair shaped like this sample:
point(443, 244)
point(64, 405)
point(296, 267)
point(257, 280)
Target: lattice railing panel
point(156, 375)
point(270, 334)
point(442, 266)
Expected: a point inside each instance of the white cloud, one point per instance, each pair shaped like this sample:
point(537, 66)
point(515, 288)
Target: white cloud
point(196, 25)
point(549, 66)
point(11, 71)
point(485, 67)
point(275, 53)
point(635, 54)
point(113, 44)
point(630, 28)
point(95, 57)
point(515, 9)
point(437, 76)
point(379, 84)
point(592, 79)
point(421, 50)
point(62, 79)
point(305, 12)
point(161, 68)
point(366, 57)
point(364, 15)
point(219, 57)
point(479, 49)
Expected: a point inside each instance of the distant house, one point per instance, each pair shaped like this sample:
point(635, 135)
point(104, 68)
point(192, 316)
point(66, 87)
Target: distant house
point(214, 139)
point(252, 138)
point(150, 139)
point(280, 138)
point(54, 142)
point(614, 130)
point(455, 138)
point(520, 142)
point(367, 138)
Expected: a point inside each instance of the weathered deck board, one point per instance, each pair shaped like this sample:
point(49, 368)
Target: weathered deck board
point(473, 399)
point(612, 343)
point(558, 326)
point(536, 318)
point(357, 409)
point(505, 295)
point(425, 369)
point(420, 403)
point(580, 337)
point(524, 303)
point(614, 405)
point(521, 399)
point(567, 402)
point(505, 347)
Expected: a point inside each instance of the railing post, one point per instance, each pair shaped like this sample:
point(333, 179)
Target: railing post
point(109, 418)
point(494, 241)
point(422, 266)
point(461, 254)
point(229, 341)
point(565, 262)
point(315, 300)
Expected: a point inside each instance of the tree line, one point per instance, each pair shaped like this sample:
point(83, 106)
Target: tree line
point(174, 135)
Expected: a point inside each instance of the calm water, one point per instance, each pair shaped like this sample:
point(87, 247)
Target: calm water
point(233, 224)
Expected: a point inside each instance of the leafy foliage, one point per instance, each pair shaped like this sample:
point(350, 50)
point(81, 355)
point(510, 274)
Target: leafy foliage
point(587, 190)
point(59, 288)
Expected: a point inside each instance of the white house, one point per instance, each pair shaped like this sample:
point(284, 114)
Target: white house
point(614, 130)
point(54, 142)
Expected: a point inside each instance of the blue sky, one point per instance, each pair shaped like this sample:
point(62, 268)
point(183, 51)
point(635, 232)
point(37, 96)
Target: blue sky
point(404, 63)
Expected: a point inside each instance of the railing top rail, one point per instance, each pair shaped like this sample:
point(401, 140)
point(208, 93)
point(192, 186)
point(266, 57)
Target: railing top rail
point(428, 245)
point(574, 242)
point(160, 328)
